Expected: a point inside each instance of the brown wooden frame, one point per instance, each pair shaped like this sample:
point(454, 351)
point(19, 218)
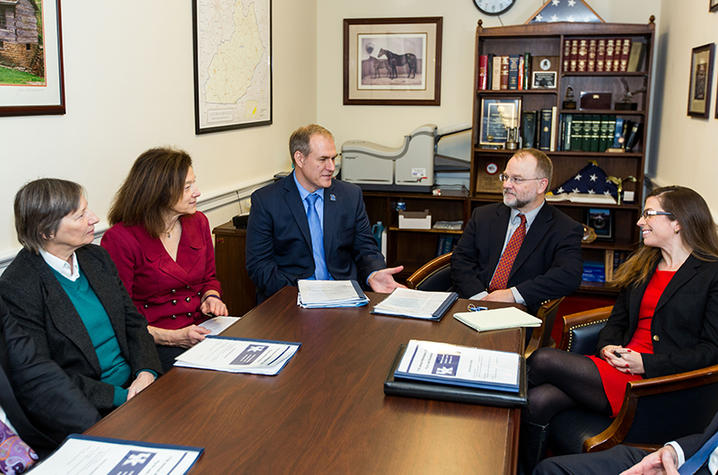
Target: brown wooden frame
point(710, 50)
point(46, 109)
point(712, 7)
point(396, 99)
point(615, 433)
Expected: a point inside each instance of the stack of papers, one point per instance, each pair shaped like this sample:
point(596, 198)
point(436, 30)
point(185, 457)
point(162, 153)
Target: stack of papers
point(330, 294)
point(497, 319)
point(444, 363)
point(238, 355)
point(416, 304)
point(85, 454)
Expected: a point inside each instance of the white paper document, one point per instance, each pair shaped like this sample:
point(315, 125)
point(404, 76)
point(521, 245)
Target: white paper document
point(460, 365)
point(330, 293)
point(218, 324)
point(238, 355)
point(497, 319)
point(416, 303)
point(96, 455)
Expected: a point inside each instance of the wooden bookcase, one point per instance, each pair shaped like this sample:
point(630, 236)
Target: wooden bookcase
point(549, 39)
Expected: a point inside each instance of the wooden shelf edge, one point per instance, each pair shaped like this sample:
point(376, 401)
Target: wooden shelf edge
point(430, 231)
point(601, 112)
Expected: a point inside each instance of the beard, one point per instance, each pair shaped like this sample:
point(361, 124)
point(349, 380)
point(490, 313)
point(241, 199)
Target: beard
point(512, 201)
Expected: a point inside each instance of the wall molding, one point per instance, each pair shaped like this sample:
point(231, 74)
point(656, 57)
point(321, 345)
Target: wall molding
point(209, 202)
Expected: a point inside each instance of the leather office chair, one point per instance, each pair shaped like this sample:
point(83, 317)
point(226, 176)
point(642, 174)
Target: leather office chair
point(654, 411)
point(436, 275)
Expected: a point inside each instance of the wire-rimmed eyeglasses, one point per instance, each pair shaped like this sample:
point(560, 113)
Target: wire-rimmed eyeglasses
point(515, 179)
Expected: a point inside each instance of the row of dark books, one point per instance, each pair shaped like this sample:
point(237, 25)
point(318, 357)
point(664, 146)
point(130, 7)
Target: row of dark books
point(510, 72)
point(602, 55)
point(538, 129)
point(598, 133)
point(446, 244)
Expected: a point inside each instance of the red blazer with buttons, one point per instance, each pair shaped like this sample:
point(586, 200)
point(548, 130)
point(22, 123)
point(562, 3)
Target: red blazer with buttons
point(165, 291)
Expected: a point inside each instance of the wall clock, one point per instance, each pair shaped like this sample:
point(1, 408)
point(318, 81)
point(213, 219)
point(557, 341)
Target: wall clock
point(494, 7)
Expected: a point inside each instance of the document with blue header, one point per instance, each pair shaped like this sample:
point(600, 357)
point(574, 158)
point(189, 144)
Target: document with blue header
point(100, 455)
point(444, 363)
point(238, 355)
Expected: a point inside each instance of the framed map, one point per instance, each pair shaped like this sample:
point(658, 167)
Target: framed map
point(232, 64)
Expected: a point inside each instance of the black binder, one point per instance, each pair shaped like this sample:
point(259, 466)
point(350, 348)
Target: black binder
point(443, 392)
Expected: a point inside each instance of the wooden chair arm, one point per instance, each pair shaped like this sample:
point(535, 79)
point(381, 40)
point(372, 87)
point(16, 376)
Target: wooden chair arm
point(579, 319)
point(541, 336)
point(618, 430)
point(427, 269)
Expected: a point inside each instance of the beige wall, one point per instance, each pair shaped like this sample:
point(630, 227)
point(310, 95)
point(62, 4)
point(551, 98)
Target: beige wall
point(387, 124)
point(129, 86)
point(686, 151)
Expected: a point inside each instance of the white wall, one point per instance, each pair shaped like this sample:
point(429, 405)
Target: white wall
point(686, 147)
point(129, 86)
point(388, 124)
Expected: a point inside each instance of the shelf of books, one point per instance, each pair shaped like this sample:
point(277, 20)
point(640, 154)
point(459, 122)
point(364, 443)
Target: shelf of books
point(580, 92)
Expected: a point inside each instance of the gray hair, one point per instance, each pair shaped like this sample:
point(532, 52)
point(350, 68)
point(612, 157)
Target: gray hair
point(40, 206)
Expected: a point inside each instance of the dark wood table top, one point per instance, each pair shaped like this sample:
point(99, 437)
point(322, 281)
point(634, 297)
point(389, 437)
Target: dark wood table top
point(326, 412)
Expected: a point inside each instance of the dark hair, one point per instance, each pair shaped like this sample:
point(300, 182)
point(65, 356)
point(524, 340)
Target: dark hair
point(698, 232)
point(544, 166)
point(155, 183)
point(40, 206)
point(300, 138)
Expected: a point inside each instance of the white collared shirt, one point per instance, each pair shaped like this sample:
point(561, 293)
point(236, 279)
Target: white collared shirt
point(72, 272)
point(5, 420)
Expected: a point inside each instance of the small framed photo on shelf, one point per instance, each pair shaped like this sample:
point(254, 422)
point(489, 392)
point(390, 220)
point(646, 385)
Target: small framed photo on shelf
point(699, 89)
point(601, 221)
point(544, 72)
point(498, 115)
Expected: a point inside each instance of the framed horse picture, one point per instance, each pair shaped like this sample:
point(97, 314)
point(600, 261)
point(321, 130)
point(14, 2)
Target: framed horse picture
point(392, 61)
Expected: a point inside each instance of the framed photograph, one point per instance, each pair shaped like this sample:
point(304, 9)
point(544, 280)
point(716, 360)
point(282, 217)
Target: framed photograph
point(232, 65)
point(601, 220)
point(712, 5)
point(392, 61)
point(699, 92)
point(31, 72)
point(543, 80)
point(498, 114)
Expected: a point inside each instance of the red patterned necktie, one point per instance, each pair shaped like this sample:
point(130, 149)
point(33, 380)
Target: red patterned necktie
point(503, 269)
point(15, 455)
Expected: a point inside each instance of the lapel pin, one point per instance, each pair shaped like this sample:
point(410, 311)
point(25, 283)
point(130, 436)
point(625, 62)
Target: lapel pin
point(332, 197)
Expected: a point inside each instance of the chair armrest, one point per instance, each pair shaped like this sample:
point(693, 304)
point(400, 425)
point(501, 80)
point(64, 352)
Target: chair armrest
point(595, 316)
point(415, 279)
point(648, 400)
point(541, 336)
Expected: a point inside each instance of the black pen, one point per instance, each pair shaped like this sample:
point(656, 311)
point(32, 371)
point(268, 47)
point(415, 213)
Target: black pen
point(617, 354)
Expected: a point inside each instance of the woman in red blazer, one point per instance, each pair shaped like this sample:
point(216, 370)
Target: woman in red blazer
point(163, 250)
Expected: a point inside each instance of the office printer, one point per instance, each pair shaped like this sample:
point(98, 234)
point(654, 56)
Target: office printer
point(409, 167)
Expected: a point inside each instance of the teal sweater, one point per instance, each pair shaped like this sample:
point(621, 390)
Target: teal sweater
point(115, 370)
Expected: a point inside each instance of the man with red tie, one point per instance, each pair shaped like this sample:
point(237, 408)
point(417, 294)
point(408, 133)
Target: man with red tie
point(522, 250)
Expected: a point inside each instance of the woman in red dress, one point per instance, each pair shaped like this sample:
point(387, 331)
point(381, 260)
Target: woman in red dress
point(162, 248)
point(664, 321)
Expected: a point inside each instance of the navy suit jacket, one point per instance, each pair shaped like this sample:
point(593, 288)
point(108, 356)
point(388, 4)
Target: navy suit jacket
point(684, 327)
point(548, 265)
point(691, 443)
point(279, 245)
point(40, 401)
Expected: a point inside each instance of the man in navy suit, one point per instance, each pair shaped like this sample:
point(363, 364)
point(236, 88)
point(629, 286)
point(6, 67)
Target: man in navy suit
point(38, 399)
point(309, 225)
point(548, 262)
point(635, 461)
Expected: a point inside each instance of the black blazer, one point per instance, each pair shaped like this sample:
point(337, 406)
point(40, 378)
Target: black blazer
point(684, 326)
point(38, 302)
point(38, 398)
point(548, 265)
point(279, 245)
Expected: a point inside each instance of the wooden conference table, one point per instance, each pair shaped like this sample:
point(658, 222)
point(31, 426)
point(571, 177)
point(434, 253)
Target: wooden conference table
point(326, 412)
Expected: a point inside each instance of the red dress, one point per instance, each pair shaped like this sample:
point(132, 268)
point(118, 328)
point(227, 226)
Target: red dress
point(614, 381)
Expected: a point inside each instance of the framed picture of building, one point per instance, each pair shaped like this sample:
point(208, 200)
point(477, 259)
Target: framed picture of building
point(31, 72)
point(392, 61)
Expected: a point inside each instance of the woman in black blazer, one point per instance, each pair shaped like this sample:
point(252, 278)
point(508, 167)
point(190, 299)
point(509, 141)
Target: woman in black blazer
point(67, 294)
point(665, 319)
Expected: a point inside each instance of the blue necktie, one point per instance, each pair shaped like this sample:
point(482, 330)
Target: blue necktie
point(699, 458)
point(315, 229)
